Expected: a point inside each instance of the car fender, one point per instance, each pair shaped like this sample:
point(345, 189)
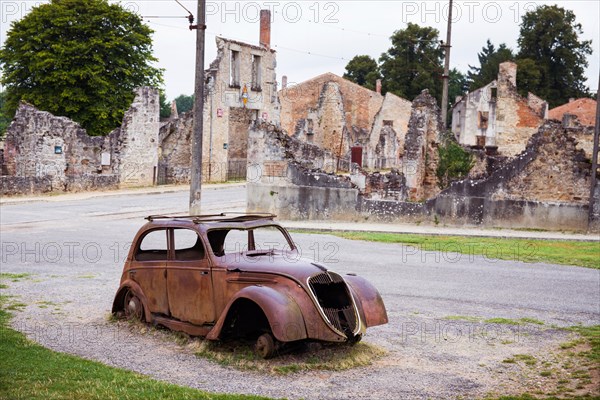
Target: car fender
point(282, 312)
point(137, 290)
point(368, 300)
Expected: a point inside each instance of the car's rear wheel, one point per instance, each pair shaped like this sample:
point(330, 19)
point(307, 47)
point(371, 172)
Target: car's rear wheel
point(132, 306)
point(265, 346)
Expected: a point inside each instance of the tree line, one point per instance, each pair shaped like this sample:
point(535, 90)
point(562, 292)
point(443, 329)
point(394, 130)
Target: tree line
point(551, 61)
point(83, 58)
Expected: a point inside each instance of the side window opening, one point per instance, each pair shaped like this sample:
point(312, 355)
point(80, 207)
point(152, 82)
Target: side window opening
point(256, 73)
point(234, 69)
point(153, 246)
point(188, 245)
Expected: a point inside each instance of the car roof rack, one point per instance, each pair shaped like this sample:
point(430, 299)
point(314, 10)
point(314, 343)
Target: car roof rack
point(222, 217)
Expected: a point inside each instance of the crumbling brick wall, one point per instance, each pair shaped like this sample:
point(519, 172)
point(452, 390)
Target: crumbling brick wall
point(41, 145)
point(420, 148)
point(135, 142)
point(337, 114)
point(557, 171)
point(175, 156)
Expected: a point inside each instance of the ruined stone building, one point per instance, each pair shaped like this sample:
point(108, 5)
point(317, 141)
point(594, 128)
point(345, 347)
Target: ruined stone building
point(44, 153)
point(584, 109)
point(574, 113)
point(241, 87)
point(496, 116)
point(346, 119)
point(546, 186)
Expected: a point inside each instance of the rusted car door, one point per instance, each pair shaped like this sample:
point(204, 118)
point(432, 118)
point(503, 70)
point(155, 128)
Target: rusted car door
point(189, 280)
point(148, 269)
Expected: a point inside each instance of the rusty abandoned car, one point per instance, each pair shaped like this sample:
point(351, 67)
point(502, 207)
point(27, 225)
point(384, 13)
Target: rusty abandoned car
point(240, 275)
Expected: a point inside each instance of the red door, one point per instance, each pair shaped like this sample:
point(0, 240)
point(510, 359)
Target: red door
point(356, 155)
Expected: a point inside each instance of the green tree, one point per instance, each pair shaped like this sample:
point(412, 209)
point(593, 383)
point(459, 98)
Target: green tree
point(454, 163)
point(458, 84)
point(4, 120)
point(549, 37)
point(413, 63)
point(165, 107)
point(80, 59)
point(184, 103)
point(490, 59)
point(363, 70)
point(529, 75)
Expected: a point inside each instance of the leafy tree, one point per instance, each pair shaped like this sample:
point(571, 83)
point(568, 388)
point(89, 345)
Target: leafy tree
point(529, 75)
point(490, 59)
point(4, 120)
point(413, 63)
point(78, 58)
point(549, 37)
point(454, 163)
point(458, 84)
point(184, 103)
point(165, 107)
point(363, 70)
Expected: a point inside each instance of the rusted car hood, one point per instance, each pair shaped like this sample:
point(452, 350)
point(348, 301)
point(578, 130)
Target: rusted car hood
point(277, 263)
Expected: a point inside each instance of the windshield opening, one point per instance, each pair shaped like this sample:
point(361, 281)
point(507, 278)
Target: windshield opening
point(259, 240)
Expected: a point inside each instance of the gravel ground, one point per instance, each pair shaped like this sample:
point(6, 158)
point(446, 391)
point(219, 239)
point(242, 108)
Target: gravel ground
point(75, 258)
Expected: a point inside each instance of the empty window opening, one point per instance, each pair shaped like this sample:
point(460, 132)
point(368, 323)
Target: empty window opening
point(153, 246)
point(234, 70)
point(256, 72)
point(483, 119)
point(188, 245)
point(493, 94)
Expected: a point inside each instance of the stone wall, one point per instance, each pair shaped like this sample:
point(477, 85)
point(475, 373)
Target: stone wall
point(496, 115)
point(512, 195)
point(337, 114)
point(226, 116)
point(41, 146)
point(420, 148)
point(135, 143)
point(386, 140)
point(175, 155)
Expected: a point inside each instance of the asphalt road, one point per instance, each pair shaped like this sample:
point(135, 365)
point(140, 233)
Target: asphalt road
point(75, 248)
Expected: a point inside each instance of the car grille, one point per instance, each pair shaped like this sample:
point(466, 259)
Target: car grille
point(335, 301)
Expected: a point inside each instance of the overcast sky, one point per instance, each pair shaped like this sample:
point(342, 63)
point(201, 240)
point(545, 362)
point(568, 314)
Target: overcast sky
point(313, 37)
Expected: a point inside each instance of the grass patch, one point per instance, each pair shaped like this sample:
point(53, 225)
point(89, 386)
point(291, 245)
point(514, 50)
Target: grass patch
point(584, 254)
point(88, 276)
point(30, 371)
point(332, 357)
point(14, 277)
point(571, 373)
point(462, 318)
point(526, 358)
point(505, 321)
point(592, 335)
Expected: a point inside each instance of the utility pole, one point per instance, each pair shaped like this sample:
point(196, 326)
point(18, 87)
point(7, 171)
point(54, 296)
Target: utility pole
point(196, 178)
point(446, 75)
point(594, 157)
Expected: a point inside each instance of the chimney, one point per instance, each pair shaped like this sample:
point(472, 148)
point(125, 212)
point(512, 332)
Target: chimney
point(508, 73)
point(378, 86)
point(265, 28)
point(283, 82)
point(571, 99)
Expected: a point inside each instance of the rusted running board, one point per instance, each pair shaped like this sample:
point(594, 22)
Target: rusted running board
point(190, 329)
